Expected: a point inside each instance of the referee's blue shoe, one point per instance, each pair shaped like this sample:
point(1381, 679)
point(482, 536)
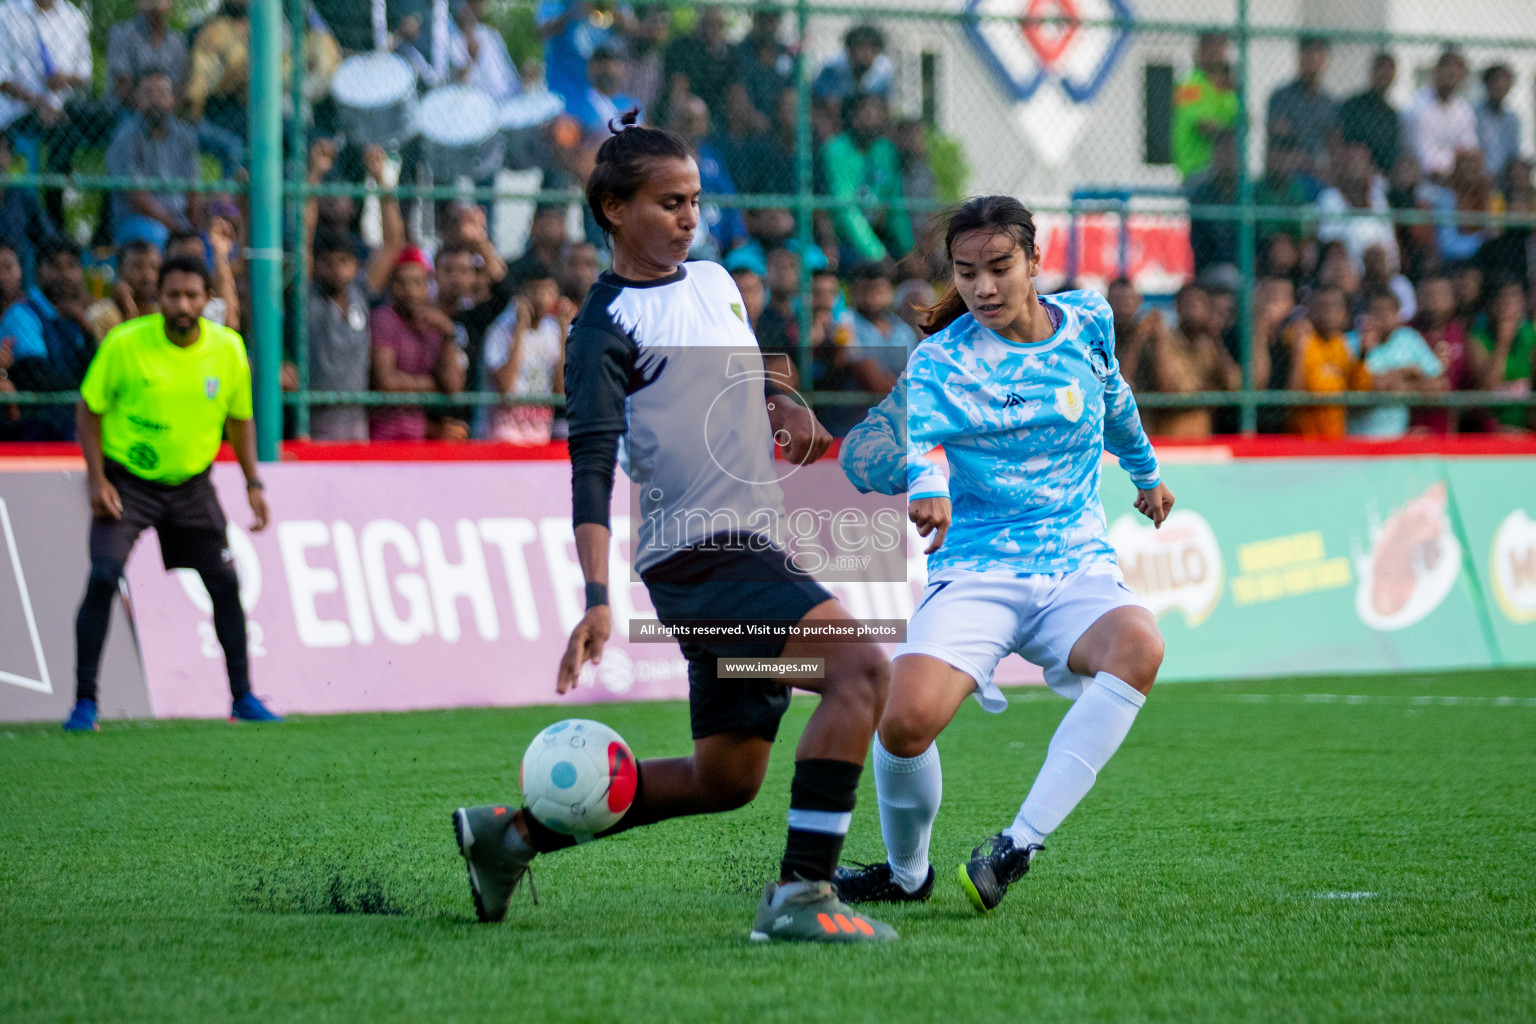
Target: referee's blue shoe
point(250, 709)
point(82, 718)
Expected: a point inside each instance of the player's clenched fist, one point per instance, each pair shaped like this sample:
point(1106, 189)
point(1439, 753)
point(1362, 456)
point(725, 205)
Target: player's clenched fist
point(931, 516)
point(105, 501)
point(1155, 504)
point(797, 430)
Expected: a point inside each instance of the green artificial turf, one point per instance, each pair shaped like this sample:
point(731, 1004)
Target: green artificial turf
point(306, 872)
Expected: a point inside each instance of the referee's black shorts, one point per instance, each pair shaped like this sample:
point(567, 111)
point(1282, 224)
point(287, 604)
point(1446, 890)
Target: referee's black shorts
point(737, 583)
point(186, 516)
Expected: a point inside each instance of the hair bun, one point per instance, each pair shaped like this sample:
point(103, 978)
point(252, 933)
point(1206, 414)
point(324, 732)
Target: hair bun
point(629, 119)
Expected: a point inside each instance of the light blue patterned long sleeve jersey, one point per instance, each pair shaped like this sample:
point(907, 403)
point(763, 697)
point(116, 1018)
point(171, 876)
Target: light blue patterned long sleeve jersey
point(1024, 429)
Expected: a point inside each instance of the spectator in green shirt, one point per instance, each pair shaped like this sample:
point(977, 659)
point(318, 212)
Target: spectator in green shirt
point(863, 164)
point(1204, 105)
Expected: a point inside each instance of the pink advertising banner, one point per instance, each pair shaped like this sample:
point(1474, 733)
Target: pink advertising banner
point(395, 586)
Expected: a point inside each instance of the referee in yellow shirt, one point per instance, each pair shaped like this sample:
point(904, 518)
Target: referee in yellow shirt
point(154, 406)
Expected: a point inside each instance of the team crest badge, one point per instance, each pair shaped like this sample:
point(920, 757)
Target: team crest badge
point(211, 387)
point(740, 311)
point(1069, 401)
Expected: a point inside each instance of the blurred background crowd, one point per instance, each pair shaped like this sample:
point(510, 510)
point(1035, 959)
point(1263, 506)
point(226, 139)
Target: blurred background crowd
point(1395, 258)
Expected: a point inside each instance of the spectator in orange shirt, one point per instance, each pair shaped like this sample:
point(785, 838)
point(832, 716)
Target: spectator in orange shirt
point(1321, 363)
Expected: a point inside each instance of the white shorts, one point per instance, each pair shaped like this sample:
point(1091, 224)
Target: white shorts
point(973, 620)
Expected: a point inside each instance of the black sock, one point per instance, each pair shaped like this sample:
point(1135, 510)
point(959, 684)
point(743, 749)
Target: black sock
point(546, 840)
point(229, 626)
point(820, 803)
point(91, 625)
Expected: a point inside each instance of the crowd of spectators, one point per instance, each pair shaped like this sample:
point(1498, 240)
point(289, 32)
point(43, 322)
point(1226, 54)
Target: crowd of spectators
point(1350, 297)
point(420, 301)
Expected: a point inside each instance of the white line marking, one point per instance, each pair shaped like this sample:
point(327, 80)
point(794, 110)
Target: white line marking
point(1343, 895)
point(43, 685)
point(1413, 701)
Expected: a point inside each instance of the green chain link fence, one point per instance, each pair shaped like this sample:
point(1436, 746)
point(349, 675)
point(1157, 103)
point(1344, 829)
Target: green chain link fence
point(1077, 107)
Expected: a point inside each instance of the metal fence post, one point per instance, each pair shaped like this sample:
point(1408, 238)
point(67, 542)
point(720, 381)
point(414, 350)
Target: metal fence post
point(1249, 421)
point(294, 204)
point(803, 191)
point(266, 255)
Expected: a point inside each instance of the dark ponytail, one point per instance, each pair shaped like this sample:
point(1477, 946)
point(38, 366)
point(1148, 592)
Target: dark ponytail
point(621, 161)
point(1000, 214)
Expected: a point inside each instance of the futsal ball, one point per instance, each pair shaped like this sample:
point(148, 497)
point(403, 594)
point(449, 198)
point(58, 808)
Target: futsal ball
point(579, 777)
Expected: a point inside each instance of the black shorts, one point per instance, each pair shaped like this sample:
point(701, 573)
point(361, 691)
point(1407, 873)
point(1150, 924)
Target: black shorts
point(186, 516)
point(731, 583)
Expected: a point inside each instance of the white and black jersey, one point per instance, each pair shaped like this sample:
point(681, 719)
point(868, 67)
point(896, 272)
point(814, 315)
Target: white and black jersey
point(671, 368)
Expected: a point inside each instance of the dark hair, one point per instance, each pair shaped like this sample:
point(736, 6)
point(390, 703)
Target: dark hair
point(622, 159)
point(1001, 214)
point(533, 270)
point(177, 237)
point(854, 100)
point(185, 265)
point(1189, 289)
point(137, 247)
point(1495, 69)
point(1383, 293)
point(1312, 43)
point(455, 249)
point(861, 35)
point(1121, 282)
point(329, 240)
point(1383, 57)
point(57, 245)
point(873, 270)
point(152, 71)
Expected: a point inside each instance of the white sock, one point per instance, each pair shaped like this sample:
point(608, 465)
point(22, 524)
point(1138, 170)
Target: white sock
point(909, 789)
point(784, 891)
point(1086, 739)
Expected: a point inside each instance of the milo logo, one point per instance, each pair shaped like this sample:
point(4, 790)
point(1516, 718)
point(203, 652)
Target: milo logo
point(1512, 567)
point(1176, 568)
point(142, 456)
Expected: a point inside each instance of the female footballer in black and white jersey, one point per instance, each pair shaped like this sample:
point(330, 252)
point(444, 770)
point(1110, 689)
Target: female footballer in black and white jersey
point(655, 360)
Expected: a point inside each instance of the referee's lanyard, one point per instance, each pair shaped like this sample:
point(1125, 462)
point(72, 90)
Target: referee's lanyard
point(44, 57)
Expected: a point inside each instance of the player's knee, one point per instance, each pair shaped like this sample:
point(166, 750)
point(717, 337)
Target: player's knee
point(727, 792)
point(1138, 654)
point(862, 676)
point(736, 793)
point(909, 730)
point(221, 583)
point(104, 577)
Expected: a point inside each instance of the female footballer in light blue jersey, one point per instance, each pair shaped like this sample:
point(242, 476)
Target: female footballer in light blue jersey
point(1024, 394)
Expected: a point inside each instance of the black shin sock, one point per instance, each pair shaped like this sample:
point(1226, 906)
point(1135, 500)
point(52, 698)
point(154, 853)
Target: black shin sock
point(91, 624)
point(229, 626)
point(820, 804)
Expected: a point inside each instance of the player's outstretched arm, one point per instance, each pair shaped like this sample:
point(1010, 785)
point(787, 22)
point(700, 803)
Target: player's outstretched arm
point(1125, 438)
point(598, 365)
point(592, 632)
